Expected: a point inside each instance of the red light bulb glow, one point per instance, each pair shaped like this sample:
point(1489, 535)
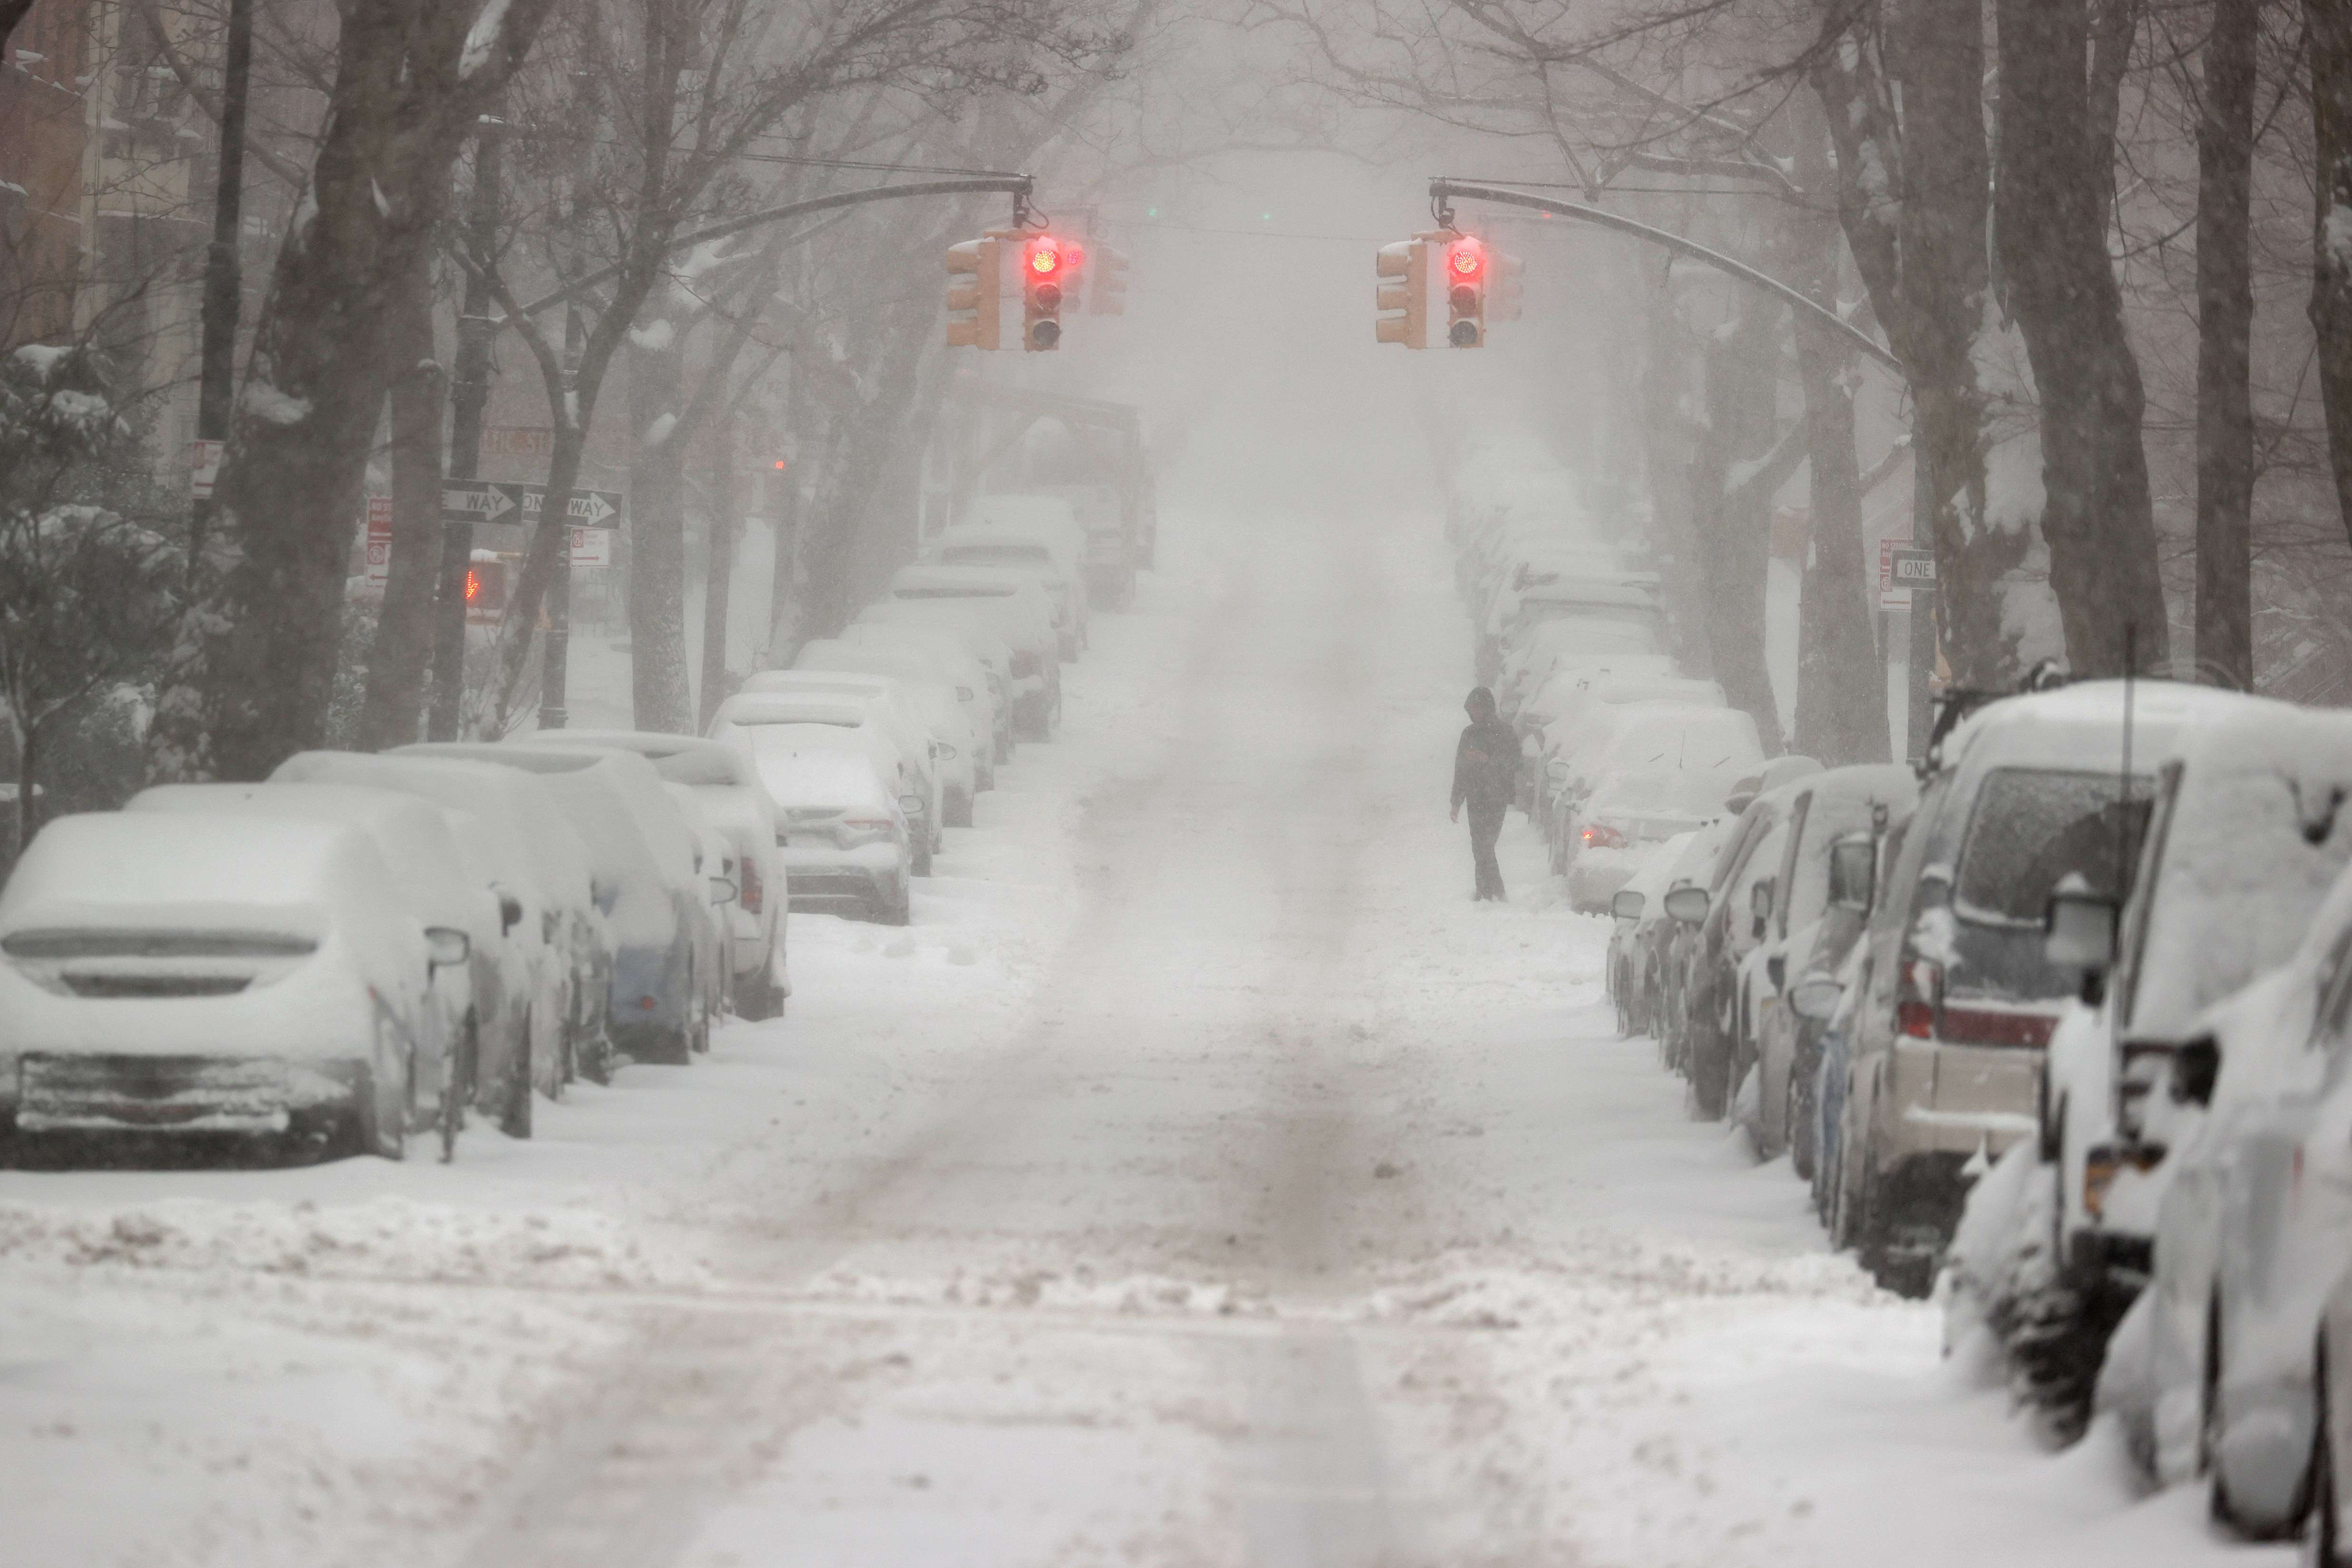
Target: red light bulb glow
point(473, 585)
point(1465, 258)
point(1044, 258)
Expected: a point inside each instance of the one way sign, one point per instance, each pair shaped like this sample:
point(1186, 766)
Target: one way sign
point(489, 501)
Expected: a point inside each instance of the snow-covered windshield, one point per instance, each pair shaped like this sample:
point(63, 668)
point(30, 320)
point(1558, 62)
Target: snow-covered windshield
point(1599, 628)
point(997, 555)
point(2033, 827)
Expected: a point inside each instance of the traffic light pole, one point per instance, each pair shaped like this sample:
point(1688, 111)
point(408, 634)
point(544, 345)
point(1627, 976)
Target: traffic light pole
point(1443, 192)
point(470, 396)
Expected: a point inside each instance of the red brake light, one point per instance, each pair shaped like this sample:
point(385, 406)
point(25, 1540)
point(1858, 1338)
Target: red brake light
point(1919, 997)
point(1601, 836)
point(747, 886)
point(1996, 1026)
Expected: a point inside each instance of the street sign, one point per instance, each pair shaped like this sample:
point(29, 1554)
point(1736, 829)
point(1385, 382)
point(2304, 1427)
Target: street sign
point(203, 466)
point(1914, 568)
point(379, 540)
point(499, 501)
point(1890, 596)
point(518, 441)
point(592, 547)
point(474, 501)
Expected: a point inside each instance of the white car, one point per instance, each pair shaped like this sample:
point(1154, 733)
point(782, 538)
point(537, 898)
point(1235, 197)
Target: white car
point(213, 978)
point(978, 689)
point(1054, 556)
point(1017, 608)
point(468, 1044)
point(956, 745)
point(1670, 766)
point(974, 630)
point(540, 860)
point(878, 722)
point(845, 837)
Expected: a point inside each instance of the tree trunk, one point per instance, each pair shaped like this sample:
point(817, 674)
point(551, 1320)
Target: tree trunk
point(658, 540)
point(2097, 520)
point(718, 574)
point(2225, 313)
point(1840, 709)
point(2331, 273)
point(1666, 457)
point(1734, 530)
point(403, 638)
point(251, 677)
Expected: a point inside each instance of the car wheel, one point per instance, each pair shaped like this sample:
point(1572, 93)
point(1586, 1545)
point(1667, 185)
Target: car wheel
point(755, 994)
point(387, 1136)
point(457, 1086)
point(923, 860)
point(515, 1105)
point(899, 908)
point(960, 813)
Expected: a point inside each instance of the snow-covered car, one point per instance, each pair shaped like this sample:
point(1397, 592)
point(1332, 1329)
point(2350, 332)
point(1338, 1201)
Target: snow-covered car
point(2243, 841)
point(976, 689)
point(1947, 1046)
point(874, 717)
point(956, 746)
point(1667, 769)
point(1564, 724)
point(1549, 573)
point(1018, 610)
point(974, 630)
point(468, 1052)
point(843, 835)
point(1053, 554)
point(1822, 978)
point(215, 977)
point(652, 897)
point(1536, 649)
point(1772, 1079)
point(1730, 917)
point(1668, 939)
point(541, 861)
point(726, 786)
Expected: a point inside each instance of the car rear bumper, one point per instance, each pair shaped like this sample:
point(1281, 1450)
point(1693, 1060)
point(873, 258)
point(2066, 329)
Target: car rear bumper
point(1959, 1099)
point(102, 1091)
point(828, 880)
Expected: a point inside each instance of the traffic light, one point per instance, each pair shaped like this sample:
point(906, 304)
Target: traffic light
point(975, 288)
point(1404, 269)
point(1465, 292)
point(1045, 265)
point(1109, 294)
point(1507, 284)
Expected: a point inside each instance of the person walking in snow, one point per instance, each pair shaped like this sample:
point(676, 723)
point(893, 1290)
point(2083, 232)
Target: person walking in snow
point(1485, 769)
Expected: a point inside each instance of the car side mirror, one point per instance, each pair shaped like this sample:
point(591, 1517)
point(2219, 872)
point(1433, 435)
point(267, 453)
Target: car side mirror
point(912, 804)
point(509, 913)
point(1687, 904)
point(1816, 997)
point(2195, 1067)
point(724, 891)
point(1776, 970)
point(1854, 874)
point(1627, 904)
point(445, 947)
point(1759, 899)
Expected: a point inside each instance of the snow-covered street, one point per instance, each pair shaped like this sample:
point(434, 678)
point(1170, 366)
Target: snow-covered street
point(1203, 1178)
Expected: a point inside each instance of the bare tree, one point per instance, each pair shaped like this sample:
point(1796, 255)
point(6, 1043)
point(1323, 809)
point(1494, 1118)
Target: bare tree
point(2330, 28)
point(256, 661)
point(2225, 313)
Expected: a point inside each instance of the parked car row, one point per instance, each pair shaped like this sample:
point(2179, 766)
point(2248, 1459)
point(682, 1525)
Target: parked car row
point(364, 948)
point(2068, 1017)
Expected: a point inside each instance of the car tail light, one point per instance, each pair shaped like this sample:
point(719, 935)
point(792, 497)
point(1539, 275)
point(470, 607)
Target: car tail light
point(1602, 836)
point(747, 885)
point(1919, 997)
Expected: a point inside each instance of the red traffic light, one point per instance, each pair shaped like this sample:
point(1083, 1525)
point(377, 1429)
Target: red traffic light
point(1046, 258)
point(1466, 259)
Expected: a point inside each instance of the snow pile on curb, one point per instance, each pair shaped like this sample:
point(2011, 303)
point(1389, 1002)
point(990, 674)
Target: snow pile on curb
point(384, 1238)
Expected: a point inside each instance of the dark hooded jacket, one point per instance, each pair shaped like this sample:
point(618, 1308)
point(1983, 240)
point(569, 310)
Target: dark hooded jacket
point(1486, 762)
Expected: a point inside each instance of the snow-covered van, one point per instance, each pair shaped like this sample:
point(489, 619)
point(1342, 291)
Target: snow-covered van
point(229, 975)
point(1945, 1072)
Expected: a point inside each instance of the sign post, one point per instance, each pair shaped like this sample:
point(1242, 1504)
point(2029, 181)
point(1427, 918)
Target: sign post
point(379, 540)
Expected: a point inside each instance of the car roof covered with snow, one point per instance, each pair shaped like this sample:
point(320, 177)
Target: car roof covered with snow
point(844, 709)
point(2249, 838)
point(679, 759)
point(155, 870)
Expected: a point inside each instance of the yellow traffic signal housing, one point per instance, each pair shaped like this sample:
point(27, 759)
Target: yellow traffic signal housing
point(975, 294)
point(1403, 296)
point(1107, 294)
point(1466, 265)
point(1505, 287)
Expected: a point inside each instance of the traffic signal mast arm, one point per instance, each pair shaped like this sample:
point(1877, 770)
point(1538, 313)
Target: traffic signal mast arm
point(1443, 191)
